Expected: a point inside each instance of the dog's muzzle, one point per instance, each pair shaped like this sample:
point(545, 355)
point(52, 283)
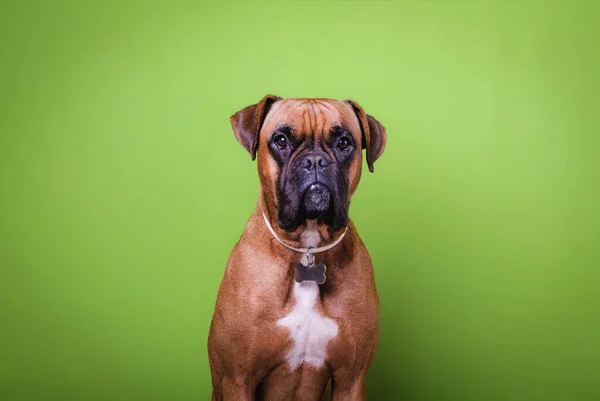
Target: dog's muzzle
point(317, 200)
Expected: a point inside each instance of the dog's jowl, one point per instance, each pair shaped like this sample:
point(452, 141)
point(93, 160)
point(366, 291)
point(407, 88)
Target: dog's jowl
point(297, 312)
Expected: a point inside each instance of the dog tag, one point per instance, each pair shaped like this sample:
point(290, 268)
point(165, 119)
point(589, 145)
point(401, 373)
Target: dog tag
point(311, 272)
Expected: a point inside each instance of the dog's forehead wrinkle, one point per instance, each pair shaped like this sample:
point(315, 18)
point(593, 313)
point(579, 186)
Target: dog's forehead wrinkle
point(314, 118)
point(308, 116)
point(326, 104)
point(317, 119)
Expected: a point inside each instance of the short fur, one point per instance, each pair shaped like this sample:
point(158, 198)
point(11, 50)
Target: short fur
point(271, 338)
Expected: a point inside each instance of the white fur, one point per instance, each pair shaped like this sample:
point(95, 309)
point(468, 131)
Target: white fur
point(310, 236)
point(309, 330)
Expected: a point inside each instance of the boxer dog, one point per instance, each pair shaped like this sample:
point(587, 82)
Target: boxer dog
point(297, 312)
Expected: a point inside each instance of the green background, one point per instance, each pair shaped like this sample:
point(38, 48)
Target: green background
point(123, 190)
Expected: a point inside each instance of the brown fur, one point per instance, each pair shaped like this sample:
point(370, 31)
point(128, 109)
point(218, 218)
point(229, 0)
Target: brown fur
point(246, 347)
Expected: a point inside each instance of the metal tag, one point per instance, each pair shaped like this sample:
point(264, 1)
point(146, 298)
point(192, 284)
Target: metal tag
point(310, 271)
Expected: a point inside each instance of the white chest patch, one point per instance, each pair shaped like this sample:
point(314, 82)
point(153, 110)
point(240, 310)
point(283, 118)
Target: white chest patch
point(310, 237)
point(310, 331)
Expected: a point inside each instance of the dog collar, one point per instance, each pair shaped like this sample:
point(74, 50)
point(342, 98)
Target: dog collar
point(303, 250)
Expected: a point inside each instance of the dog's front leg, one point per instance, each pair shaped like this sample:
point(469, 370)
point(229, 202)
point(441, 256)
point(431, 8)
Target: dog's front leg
point(238, 389)
point(349, 389)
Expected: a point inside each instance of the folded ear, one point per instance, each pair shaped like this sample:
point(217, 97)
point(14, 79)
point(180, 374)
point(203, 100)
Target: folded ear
point(247, 123)
point(373, 134)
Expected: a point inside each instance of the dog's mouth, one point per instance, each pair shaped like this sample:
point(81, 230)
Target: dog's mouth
point(316, 201)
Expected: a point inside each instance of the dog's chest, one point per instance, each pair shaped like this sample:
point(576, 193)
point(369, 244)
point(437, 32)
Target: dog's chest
point(310, 332)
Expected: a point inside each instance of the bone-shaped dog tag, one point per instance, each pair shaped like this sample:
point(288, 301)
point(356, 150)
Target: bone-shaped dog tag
point(311, 272)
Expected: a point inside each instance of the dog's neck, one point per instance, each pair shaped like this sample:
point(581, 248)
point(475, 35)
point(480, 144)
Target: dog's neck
point(309, 234)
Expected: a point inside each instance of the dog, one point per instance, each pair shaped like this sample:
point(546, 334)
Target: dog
point(297, 311)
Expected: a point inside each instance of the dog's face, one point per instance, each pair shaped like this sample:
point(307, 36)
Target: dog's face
point(309, 155)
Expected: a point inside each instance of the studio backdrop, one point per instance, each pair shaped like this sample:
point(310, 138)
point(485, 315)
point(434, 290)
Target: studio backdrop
point(123, 189)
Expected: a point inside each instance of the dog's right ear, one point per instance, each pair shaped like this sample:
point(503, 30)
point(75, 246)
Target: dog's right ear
point(247, 123)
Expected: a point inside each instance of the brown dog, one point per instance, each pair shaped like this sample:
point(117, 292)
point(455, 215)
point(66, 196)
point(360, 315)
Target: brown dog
point(284, 327)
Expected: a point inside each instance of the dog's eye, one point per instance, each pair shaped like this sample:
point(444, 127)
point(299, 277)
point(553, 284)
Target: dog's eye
point(281, 141)
point(344, 143)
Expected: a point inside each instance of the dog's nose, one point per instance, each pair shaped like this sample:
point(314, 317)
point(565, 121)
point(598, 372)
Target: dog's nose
point(315, 161)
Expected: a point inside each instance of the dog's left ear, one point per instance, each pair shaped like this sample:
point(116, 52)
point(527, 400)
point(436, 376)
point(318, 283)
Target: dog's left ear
point(373, 134)
point(247, 123)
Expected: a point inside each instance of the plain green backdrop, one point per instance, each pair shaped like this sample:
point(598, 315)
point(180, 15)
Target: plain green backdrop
point(123, 190)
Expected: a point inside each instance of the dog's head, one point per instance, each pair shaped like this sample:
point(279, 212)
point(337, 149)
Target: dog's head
point(309, 155)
